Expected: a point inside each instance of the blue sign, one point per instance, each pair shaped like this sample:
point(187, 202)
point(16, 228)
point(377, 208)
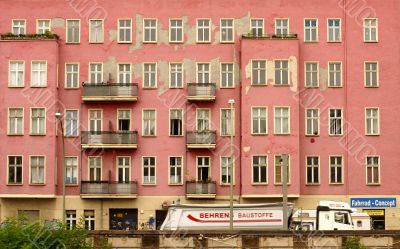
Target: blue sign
point(373, 202)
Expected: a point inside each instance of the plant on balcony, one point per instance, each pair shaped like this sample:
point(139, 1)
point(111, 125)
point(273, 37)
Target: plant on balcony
point(47, 35)
point(284, 36)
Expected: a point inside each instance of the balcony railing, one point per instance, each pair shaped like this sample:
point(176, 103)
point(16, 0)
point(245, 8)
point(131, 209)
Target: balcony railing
point(201, 189)
point(108, 189)
point(201, 139)
point(201, 91)
point(270, 36)
point(109, 92)
point(109, 139)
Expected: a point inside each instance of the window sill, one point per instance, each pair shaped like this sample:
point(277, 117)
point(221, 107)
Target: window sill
point(203, 42)
point(175, 184)
point(149, 184)
point(14, 184)
point(373, 184)
point(124, 42)
point(37, 135)
point(181, 87)
point(312, 184)
point(226, 135)
point(373, 135)
point(101, 42)
point(225, 185)
point(337, 184)
point(72, 43)
point(176, 42)
point(37, 184)
point(176, 135)
point(71, 185)
point(312, 135)
point(334, 41)
point(71, 136)
point(377, 86)
point(227, 87)
point(335, 87)
point(16, 86)
point(280, 184)
point(370, 41)
point(311, 87)
point(259, 184)
point(227, 42)
point(39, 86)
point(333, 135)
point(149, 88)
point(316, 41)
point(14, 135)
point(71, 88)
point(258, 85)
point(149, 136)
point(149, 42)
point(282, 134)
point(281, 85)
point(259, 134)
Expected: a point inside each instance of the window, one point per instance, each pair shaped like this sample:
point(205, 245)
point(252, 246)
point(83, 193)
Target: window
point(96, 73)
point(310, 30)
point(38, 121)
point(124, 73)
point(259, 72)
point(17, 74)
point(73, 31)
point(89, 219)
point(149, 75)
point(226, 163)
point(371, 30)
point(14, 169)
point(227, 30)
point(175, 170)
point(227, 123)
point(124, 120)
point(259, 120)
point(96, 30)
point(203, 30)
point(280, 161)
point(260, 172)
point(281, 72)
point(312, 122)
point(282, 120)
point(175, 122)
point(282, 26)
point(71, 170)
point(373, 170)
point(203, 169)
point(123, 169)
point(203, 73)
point(334, 30)
point(71, 75)
point(71, 219)
point(176, 30)
point(372, 121)
point(149, 170)
point(37, 169)
point(257, 27)
point(203, 119)
point(335, 122)
point(19, 27)
point(124, 30)
point(95, 120)
point(227, 75)
point(336, 169)
point(15, 121)
point(149, 122)
point(150, 30)
point(176, 75)
point(335, 74)
point(94, 168)
point(43, 26)
point(312, 169)
point(71, 123)
point(371, 74)
point(311, 72)
point(39, 74)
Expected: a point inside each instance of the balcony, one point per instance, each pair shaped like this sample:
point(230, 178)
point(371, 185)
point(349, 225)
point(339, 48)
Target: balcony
point(108, 189)
point(200, 139)
point(270, 36)
point(109, 92)
point(109, 139)
point(201, 190)
point(201, 91)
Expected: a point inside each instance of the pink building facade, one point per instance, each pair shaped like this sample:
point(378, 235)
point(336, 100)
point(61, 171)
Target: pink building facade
point(144, 90)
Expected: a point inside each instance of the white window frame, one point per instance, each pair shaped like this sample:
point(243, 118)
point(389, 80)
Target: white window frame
point(16, 71)
point(259, 72)
point(341, 122)
point(288, 172)
point(96, 72)
point(124, 73)
point(150, 72)
point(306, 85)
point(330, 85)
point(173, 70)
point(175, 29)
point(42, 29)
point(222, 169)
point(43, 182)
point(15, 167)
point(336, 166)
point(39, 121)
point(67, 38)
point(228, 28)
point(259, 120)
point(88, 219)
point(310, 29)
point(370, 28)
point(312, 172)
point(281, 70)
point(368, 72)
point(74, 166)
point(224, 71)
point(203, 72)
point(124, 167)
point(150, 166)
point(175, 166)
point(66, 75)
point(66, 123)
point(208, 119)
point(9, 123)
point(100, 177)
point(372, 174)
point(372, 119)
point(129, 28)
point(256, 34)
point(275, 124)
point(98, 120)
point(145, 134)
point(101, 40)
point(43, 83)
point(334, 28)
point(208, 166)
point(311, 119)
point(70, 219)
point(204, 30)
point(232, 115)
point(19, 26)
point(150, 29)
point(282, 27)
point(259, 169)
point(182, 120)
point(119, 118)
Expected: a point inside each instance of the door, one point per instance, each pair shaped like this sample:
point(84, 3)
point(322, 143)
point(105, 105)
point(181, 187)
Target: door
point(160, 217)
point(123, 219)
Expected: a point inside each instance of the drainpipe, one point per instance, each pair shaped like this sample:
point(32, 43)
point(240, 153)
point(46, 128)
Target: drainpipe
point(346, 96)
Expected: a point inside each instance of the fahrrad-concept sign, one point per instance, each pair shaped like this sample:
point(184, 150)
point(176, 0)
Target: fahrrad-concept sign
point(373, 202)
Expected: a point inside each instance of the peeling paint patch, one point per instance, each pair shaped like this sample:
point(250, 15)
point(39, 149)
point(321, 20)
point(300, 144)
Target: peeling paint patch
point(247, 90)
point(242, 25)
point(246, 149)
point(57, 22)
point(293, 73)
point(137, 70)
point(248, 70)
point(323, 78)
point(110, 69)
point(163, 34)
point(139, 33)
point(190, 70)
point(215, 68)
point(163, 76)
point(270, 72)
point(189, 32)
point(113, 35)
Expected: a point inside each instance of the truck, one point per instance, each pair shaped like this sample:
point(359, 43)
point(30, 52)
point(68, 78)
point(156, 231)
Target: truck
point(329, 215)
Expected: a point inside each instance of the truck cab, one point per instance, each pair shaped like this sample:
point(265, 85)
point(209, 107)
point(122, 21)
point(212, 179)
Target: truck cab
point(333, 215)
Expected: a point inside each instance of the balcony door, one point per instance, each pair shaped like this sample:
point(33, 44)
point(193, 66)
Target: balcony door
point(123, 169)
point(203, 119)
point(203, 169)
point(95, 123)
point(124, 120)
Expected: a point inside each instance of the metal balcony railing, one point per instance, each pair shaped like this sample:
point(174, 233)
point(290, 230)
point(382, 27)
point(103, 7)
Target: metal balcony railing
point(201, 189)
point(110, 92)
point(109, 139)
point(99, 188)
point(201, 91)
point(270, 36)
point(201, 139)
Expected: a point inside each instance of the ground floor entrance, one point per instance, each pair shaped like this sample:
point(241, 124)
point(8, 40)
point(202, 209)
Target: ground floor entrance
point(377, 218)
point(123, 219)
